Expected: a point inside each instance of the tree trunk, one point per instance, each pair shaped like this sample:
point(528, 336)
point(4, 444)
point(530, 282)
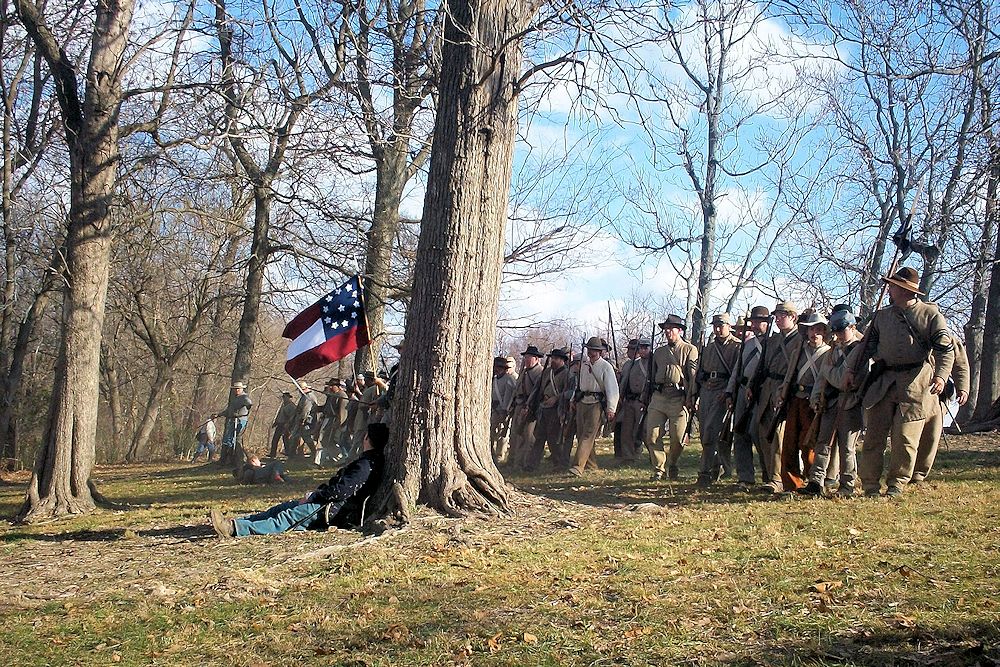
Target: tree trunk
point(10, 386)
point(113, 394)
point(60, 481)
point(389, 183)
point(989, 366)
point(440, 446)
point(247, 337)
point(160, 387)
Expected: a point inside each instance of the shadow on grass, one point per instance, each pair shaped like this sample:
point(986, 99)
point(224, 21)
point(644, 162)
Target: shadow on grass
point(629, 485)
point(193, 533)
point(982, 465)
point(975, 643)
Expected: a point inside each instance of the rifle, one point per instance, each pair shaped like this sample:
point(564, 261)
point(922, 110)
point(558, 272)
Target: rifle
point(726, 436)
point(756, 382)
point(614, 344)
point(686, 438)
point(781, 409)
point(641, 424)
point(536, 393)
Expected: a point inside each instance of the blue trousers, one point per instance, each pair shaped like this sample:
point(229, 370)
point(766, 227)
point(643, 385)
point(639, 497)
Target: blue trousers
point(280, 518)
point(234, 427)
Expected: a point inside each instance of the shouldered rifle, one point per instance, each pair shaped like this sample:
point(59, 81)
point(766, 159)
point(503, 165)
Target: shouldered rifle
point(781, 409)
point(641, 424)
point(686, 438)
point(726, 437)
point(756, 382)
point(536, 393)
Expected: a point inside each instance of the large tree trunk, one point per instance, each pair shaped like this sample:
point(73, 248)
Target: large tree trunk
point(247, 337)
point(390, 180)
point(60, 481)
point(440, 446)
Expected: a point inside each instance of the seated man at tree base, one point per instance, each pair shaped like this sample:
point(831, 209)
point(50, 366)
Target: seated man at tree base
point(338, 502)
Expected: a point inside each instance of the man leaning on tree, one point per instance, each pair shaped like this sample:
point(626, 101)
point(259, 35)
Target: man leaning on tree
point(913, 355)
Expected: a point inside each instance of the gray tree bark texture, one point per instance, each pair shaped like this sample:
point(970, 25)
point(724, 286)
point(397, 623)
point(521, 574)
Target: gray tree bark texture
point(60, 480)
point(439, 453)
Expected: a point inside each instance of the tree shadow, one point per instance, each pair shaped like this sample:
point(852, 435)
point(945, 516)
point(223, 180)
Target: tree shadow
point(188, 533)
point(974, 643)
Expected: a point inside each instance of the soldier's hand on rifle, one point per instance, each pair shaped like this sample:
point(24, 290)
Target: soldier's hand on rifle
point(850, 381)
point(937, 385)
point(729, 402)
point(611, 415)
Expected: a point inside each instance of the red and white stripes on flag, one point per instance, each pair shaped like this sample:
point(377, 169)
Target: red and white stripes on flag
point(328, 330)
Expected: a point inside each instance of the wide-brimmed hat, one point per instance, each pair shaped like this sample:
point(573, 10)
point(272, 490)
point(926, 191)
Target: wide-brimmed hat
point(760, 314)
point(673, 321)
point(633, 344)
point(533, 351)
point(721, 318)
point(334, 382)
point(786, 307)
point(812, 319)
point(238, 385)
point(841, 319)
point(499, 362)
point(596, 343)
point(644, 342)
point(559, 353)
point(906, 278)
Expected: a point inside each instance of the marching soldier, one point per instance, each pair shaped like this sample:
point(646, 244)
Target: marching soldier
point(780, 348)
point(500, 405)
point(838, 409)
point(931, 435)
point(302, 422)
point(746, 431)
point(674, 367)
point(282, 424)
point(913, 355)
point(715, 368)
point(567, 416)
point(547, 425)
point(334, 413)
point(522, 432)
point(632, 382)
point(596, 397)
point(800, 379)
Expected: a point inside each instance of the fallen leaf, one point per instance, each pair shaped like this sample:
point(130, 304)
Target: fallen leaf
point(825, 586)
point(529, 638)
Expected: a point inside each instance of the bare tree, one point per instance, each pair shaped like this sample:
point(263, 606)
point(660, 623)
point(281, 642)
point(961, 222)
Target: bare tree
point(440, 443)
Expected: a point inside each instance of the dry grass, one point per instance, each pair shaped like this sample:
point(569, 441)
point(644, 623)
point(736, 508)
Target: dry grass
point(573, 578)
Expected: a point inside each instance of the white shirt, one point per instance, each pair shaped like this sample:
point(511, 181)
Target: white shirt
point(600, 376)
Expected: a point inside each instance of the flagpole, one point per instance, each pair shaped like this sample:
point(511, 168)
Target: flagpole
point(364, 313)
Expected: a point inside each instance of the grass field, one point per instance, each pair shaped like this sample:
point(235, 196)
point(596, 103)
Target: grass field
point(577, 576)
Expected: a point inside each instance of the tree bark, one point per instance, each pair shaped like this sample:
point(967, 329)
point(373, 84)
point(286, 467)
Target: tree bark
point(159, 388)
point(989, 366)
point(60, 481)
point(440, 447)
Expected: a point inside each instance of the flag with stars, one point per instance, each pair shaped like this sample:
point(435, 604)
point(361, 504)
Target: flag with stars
point(328, 330)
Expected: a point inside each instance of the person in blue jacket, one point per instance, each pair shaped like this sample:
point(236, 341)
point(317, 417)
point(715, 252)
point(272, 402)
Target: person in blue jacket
point(339, 502)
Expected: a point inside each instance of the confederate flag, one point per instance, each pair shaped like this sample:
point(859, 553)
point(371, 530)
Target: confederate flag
point(328, 330)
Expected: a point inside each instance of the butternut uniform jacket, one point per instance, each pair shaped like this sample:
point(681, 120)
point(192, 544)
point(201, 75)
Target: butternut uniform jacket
point(633, 378)
point(553, 384)
point(833, 371)
point(781, 350)
point(526, 384)
point(914, 345)
point(806, 375)
point(674, 369)
point(717, 363)
point(503, 393)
